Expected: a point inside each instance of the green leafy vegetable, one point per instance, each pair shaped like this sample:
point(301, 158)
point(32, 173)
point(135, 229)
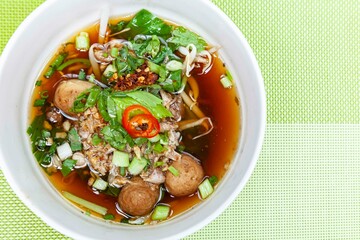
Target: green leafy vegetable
point(127, 63)
point(75, 141)
point(114, 137)
point(38, 83)
point(112, 191)
point(183, 37)
point(173, 82)
point(67, 166)
point(151, 102)
point(149, 48)
point(144, 22)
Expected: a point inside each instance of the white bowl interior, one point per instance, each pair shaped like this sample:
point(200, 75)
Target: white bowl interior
point(34, 43)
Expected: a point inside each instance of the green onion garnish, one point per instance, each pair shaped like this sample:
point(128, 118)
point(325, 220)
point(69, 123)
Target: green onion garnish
point(109, 216)
point(39, 102)
point(161, 212)
point(92, 206)
point(120, 159)
point(226, 82)
point(84, 61)
point(44, 94)
point(174, 171)
point(82, 42)
point(213, 180)
point(206, 189)
point(55, 64)
point(38, 83)
point(100, 184)
point(159, 164)
point(137, 165)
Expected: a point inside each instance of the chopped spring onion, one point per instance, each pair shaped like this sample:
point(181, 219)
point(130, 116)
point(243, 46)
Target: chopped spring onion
point(85, 61)
point(82, 42)
point(154, 139)
point(67, 166)
point(206, 189)
point(174, 65)
point(122, 171)
point(55, 64)
point(109, 216)
point(44, 94)
point(64, 151)
point(226, 82)
point(38, 83)
point(137, 165)
point(213, 180)
point(100, 184)
point(92, 206)
point(120, 159)
point(159, 164)
point(39, 102)
point(109, 70)
point(174, 171)
point(161, 212)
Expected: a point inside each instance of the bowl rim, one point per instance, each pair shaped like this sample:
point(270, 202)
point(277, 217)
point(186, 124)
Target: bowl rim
point(260, 137)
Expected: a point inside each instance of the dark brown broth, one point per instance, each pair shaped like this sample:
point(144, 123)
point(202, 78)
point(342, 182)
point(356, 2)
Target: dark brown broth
point(215, 150)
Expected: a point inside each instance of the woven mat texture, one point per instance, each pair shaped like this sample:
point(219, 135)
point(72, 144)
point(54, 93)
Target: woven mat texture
point(307, 181)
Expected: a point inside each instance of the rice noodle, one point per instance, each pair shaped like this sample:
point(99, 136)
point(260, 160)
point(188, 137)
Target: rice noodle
point(105, 13)
point(190, 53)
point(93, 61)
point(194, 123)
point(192, 105)
point(194, 88)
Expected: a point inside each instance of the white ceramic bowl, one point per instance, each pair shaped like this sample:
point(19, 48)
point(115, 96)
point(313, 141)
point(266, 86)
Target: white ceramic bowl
point(30, 48)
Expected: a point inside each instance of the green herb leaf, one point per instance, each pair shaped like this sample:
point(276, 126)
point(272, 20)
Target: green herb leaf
point(67, 166)
point(144, 22)
point(96, 140)
point(183, 37)
point(114, 138)
point(75, 141)
point(158, 148)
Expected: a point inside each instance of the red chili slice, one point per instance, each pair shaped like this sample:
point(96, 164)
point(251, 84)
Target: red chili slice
point(139, 122)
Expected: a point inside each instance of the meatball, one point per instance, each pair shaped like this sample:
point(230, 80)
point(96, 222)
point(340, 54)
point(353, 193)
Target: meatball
point(190, 176)
point(67, 92)
point(138, 198)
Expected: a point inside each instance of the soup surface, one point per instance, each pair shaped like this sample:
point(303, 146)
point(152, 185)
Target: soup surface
point(135, 122)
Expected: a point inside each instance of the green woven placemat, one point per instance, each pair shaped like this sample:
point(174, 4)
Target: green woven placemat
point(307, 181)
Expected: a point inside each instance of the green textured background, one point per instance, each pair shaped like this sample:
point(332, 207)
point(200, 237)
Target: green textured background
point(307, 181)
